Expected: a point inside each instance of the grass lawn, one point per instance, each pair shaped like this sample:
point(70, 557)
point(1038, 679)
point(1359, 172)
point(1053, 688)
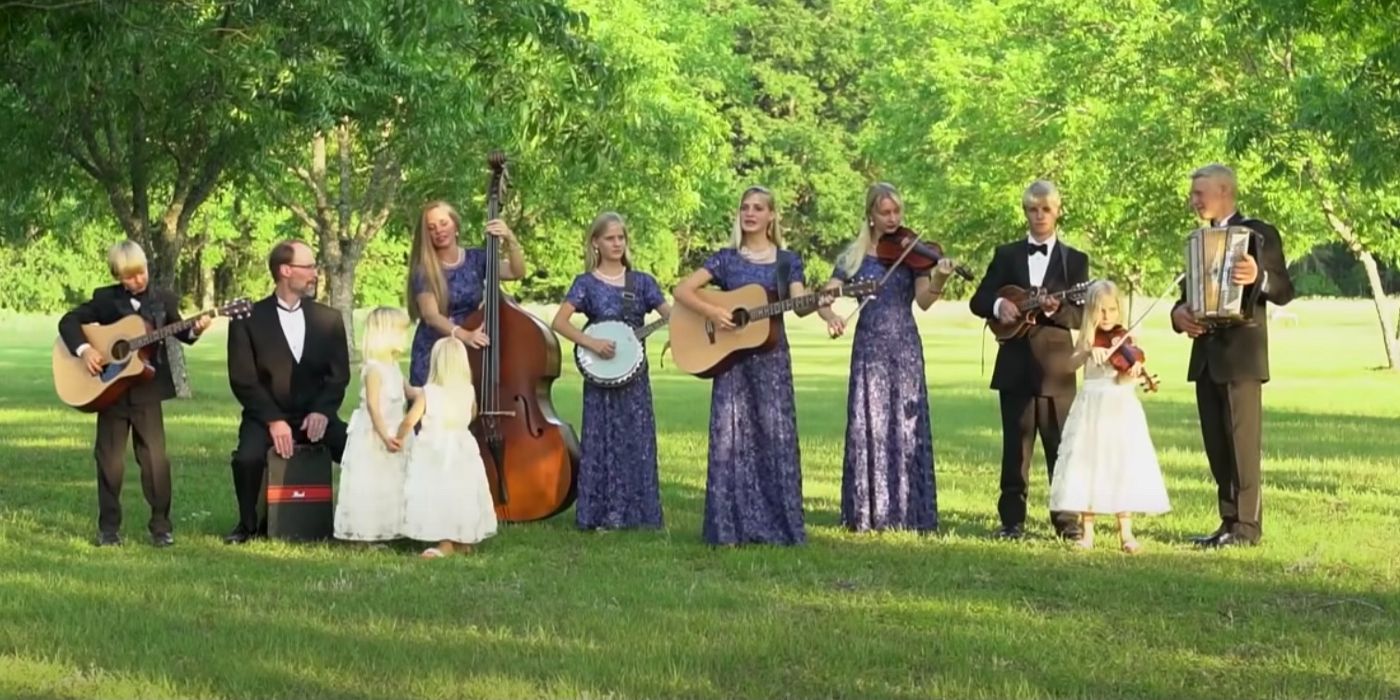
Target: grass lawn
point(544, 610)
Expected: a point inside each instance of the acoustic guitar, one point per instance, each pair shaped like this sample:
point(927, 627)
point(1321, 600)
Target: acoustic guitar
point(127, 346)
point(1028, 302)
point(703, 349)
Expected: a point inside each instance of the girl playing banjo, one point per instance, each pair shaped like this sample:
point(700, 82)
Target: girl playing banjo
point(617, 475)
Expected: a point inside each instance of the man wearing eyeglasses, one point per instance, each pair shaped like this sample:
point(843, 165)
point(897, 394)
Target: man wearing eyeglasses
point(289, 367)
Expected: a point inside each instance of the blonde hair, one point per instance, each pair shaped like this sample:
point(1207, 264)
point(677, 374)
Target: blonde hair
point(448, 365)
point(1042, 191)
point(599, 227)
point(1099, 294)
point(386, 331)
point(1218, 173)
point(854, 254)
point(775, 230)
point(126, 258)
point(423, 260)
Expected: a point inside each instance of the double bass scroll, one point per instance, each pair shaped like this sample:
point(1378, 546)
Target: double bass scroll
point(531, 454)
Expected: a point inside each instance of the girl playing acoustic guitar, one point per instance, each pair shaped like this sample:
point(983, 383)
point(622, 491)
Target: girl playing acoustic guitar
point(1106, 461)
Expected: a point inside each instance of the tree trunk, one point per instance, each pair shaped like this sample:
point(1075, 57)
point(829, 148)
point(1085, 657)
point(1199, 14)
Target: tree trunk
point(340, 293)
point(1373, 277)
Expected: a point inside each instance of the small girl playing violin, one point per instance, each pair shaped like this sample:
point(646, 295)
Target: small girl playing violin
point(1106, 462)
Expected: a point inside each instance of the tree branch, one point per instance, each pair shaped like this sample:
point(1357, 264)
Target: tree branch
point(140, 197)
point(346, 155)
point(286, 202)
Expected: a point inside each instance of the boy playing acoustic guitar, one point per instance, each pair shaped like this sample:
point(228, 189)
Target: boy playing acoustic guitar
point(137, 411)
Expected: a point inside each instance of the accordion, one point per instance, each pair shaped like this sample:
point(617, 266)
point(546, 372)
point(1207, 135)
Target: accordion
point(1211, 253)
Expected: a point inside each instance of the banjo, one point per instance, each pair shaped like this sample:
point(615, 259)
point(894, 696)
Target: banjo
point(628, 358)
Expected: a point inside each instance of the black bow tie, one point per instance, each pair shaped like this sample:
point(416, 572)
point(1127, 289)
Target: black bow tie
point(1042, 248)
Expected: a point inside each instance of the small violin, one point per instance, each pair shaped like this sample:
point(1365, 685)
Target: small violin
point(1125, 356)
point(922, 258)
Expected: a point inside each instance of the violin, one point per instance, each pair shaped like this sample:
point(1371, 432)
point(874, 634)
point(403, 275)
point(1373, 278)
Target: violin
point(1125, 356)
point(921, 258)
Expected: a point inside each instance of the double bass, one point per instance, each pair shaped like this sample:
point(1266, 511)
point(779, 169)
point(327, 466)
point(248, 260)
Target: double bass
point(531, 455)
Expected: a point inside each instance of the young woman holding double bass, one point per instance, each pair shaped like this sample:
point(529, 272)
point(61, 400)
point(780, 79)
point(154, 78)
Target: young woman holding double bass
point(887, 478)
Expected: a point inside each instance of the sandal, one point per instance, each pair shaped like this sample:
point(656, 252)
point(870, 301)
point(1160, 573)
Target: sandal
point(1131, 547)
point(432, 553)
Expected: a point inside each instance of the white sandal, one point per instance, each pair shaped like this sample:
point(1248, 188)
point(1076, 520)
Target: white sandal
point(432, 553)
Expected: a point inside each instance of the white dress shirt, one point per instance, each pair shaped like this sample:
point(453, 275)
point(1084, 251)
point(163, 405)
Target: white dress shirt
point(293, 322)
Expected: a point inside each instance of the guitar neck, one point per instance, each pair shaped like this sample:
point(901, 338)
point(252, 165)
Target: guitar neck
point(164, 332)
point(778, 308)
point(650, 328)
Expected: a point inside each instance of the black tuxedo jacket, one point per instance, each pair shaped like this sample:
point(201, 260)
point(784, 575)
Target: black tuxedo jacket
point(1037, 363)
point(1242, 352)
point(109, 305)
point(269, 382)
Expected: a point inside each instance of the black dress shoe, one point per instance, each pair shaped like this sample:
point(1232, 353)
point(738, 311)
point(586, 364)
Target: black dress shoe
point(162, 539)
point(238, 536)
point(108, 539)
point(1071, 534)
point(1009, 532)
point(1206, 540)
point(1228, 539)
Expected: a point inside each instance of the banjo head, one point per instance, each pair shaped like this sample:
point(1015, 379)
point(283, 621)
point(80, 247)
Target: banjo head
point(625, 363)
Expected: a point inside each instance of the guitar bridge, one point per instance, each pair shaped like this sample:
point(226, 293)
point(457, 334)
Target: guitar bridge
point(510, 414)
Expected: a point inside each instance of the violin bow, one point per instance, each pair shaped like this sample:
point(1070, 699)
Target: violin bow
point(881, 283)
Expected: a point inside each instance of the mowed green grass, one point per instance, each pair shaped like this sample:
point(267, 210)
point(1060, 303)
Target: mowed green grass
point(544, 610)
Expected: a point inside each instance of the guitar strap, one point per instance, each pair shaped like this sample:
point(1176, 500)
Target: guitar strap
point(784, 269)
point(629, 297)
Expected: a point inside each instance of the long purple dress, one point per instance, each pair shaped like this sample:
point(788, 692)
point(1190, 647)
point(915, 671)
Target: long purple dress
point(465, 287)
point(753, 492)
point(617, 475)
point(887, 480)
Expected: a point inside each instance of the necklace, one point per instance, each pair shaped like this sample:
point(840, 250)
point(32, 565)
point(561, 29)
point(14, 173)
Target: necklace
point(769, 253)
point(611, 278)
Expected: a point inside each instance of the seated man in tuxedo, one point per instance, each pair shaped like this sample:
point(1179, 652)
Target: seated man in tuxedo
point(288, 366)
point(1033, 372)
point(1230, 365)
point(138, 411)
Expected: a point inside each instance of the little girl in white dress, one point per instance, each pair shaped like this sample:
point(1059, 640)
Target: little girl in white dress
point(1106, 462)
point(370, 504)
point(447, 499)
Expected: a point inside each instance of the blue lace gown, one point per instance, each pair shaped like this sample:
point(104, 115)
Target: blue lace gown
point(887, 480)
point(466, 285)
point(753, 492)
point(617, 474)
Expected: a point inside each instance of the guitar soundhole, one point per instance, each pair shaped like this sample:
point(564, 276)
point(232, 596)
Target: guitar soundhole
point(120, 350)
point(741, 318)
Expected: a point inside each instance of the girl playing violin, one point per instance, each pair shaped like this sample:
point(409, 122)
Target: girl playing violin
point(1106, 460)
point(887, 480)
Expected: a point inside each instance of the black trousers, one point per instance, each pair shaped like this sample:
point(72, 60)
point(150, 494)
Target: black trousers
point(145, 423)
point(1022, 416)
point(1231, 415)
point(250, 462)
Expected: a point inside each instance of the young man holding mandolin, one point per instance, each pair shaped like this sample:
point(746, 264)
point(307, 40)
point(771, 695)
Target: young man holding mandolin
point(1024, 290)
point(136, 411)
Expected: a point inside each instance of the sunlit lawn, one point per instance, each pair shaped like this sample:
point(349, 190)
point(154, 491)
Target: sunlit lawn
point(544, 610)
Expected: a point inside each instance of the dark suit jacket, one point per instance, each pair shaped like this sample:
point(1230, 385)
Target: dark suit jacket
point(1242, 352)
point(109, 305)
point(269, 382)
point(1038, 363)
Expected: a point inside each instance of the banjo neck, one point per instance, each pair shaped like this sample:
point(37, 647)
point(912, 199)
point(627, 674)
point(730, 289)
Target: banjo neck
point(650, 328)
